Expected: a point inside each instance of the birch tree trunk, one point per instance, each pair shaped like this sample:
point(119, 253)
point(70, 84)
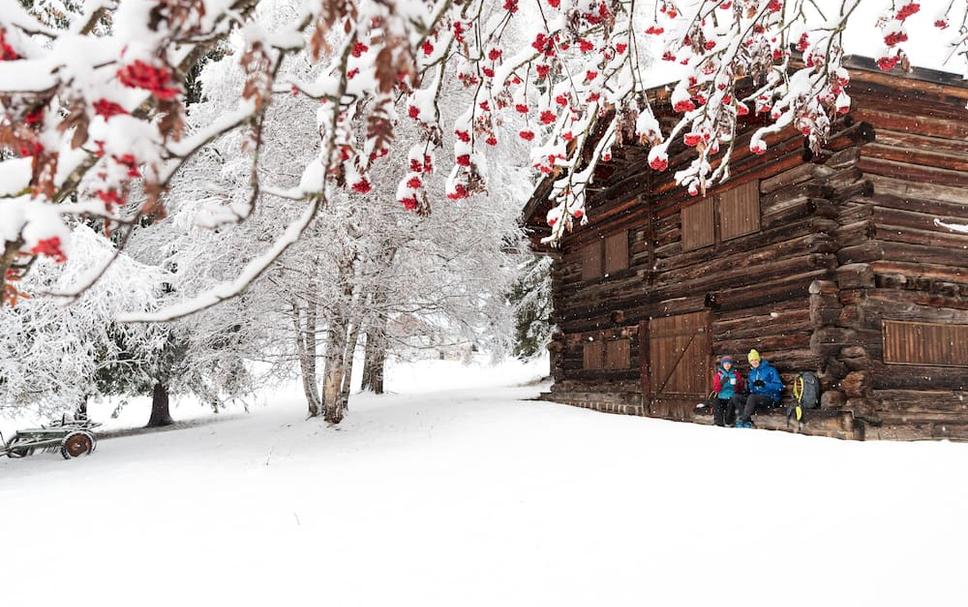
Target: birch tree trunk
point(375, 356)
point(348, 357)
point(337, 338)
point(305, 321)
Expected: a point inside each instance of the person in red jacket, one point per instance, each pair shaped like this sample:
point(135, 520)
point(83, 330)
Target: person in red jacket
point(728, 389)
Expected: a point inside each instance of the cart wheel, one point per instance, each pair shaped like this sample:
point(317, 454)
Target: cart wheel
point(77, 444)
point(17, 452)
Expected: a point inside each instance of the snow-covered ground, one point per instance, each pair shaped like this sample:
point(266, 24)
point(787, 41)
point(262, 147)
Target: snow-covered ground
point(455, 491)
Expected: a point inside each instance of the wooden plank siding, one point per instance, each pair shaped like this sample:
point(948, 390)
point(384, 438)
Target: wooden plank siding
point(919, 343)
point(591, 263)
point(593, 353)
point(699, 225)
point(616, 252)
point(739, 211)
point(617, 354)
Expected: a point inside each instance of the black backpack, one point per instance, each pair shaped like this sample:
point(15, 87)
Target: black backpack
point(806, 391)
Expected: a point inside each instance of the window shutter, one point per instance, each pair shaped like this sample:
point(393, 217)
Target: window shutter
point(591, 261)
point(739, 210)
point(698, 221)
point(617, 252)
point(617, 354)
point(593, 354)
point(919, 343)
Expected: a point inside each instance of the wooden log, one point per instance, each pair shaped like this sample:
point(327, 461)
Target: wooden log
point(793, 195)
point(765, 293)
point(832, 399)
point(914, 377)
point(894, 185)
point(916, 298)
point(904, 139)
point(855, 233)
point(850, 316)
point(918, 156)
point(866, 251)
point(780, 216)
point(801, 304)
point(917, 198)
point(823, 287)
point(855, 209)
point(860, 188)
point(794, 361)
point(843, 158)
point(915, 123)
point(853, 351)
point(854, 276)
point(952, 401)
point(766, 343)
point(828, 341)
point(856, 384)
point(862, 408)
point(927, 238)
point(771, 322)
point(824, 309)
point(794, 176)
point(915, 220)
point(832, 372)
point(921, 270)
point(877, 309)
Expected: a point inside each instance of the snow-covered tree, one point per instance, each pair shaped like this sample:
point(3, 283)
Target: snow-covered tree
point(531, 296)
point(51, 354)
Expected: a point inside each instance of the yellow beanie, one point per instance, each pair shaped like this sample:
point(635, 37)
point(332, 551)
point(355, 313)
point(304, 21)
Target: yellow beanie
point(753, 355)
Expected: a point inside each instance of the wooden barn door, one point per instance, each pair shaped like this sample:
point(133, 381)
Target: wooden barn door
point(677, 376)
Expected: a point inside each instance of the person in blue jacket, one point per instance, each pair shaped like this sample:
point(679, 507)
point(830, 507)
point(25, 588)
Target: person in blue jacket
point(765, 387)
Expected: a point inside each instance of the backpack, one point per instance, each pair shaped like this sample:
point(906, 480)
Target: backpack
point(806, 391)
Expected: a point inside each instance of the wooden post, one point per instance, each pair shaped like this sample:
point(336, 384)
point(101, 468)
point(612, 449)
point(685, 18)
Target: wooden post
point(645, 364)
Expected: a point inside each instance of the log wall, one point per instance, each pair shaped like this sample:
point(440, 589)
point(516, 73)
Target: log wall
point(848, 238)
point(898, 262)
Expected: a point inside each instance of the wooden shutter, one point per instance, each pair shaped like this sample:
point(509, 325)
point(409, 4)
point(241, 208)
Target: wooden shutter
point(617, 252)
point(617, 354)
point(591, 261)
point(739, 210)
point(594, 353)
point(679, 353)
point(698, 225)
point(919, 343)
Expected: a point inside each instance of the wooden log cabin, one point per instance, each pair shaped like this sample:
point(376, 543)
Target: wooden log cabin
point(838, 263)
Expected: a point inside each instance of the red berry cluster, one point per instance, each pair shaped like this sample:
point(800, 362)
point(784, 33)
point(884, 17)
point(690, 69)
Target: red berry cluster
point(141, 75)
point(6, 51)
point(907, 10)
point(108, 109)
point(50, 247)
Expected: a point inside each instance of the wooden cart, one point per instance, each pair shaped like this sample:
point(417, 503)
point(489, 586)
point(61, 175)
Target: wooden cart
point(73, 437)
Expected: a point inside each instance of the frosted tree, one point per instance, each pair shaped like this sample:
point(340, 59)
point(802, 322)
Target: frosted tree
point(52, 354)
point(531, 296)
point(93, 98)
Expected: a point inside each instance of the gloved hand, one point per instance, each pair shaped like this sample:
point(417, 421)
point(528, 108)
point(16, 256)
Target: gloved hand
point(759, 383)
